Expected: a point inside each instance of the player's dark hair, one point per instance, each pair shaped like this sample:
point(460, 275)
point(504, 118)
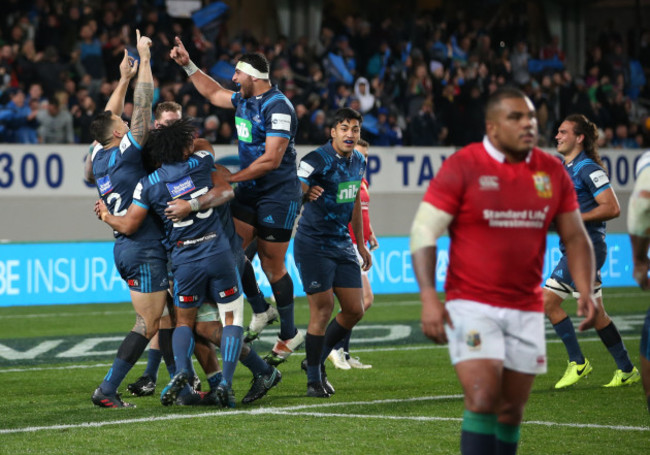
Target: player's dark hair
point(582, 126)
point(101, 127)
point(346, 113)
point(168, 143)
point(166, 106)
point(363, 143)
point(256, 60)
point(501, 94)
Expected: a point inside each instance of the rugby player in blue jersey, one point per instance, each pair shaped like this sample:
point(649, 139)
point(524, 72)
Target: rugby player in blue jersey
point(140, 257)
point(576, 142)
point(638, 225)
point(267, 196)
point(202, 263)
point(331, 177)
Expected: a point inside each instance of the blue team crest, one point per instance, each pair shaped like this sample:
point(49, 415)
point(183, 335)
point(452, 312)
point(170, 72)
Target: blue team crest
point(181, 187)
point(473, 340)
point(104, 185)
point(543, 184)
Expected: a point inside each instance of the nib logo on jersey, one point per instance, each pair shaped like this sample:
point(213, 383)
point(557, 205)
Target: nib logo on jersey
point(347, 191)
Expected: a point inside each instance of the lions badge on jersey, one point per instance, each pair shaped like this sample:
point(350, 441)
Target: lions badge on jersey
point(543, 185)
point(473, 340)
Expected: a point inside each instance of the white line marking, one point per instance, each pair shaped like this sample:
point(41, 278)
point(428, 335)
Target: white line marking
point(291, 411)
point(297, 354)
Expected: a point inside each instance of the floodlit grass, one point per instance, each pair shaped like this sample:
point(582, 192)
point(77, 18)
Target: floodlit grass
point(408, 403)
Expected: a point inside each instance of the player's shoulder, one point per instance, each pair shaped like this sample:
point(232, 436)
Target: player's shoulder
point(275, 101)
point(643, 164)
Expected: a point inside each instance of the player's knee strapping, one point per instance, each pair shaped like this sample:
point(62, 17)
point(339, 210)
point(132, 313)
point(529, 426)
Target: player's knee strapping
point(236, 307)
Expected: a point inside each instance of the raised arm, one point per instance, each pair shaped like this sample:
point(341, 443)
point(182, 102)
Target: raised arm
point(208, 87)
point(128, 69)
point(143, 95)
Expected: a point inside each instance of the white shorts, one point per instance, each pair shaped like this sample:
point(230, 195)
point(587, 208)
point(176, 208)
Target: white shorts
point(356, 250)
point(487, 332)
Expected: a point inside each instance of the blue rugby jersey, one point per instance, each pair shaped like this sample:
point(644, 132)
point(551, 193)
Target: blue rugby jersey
point(269, 114)
point(200, 234)
point(326, 219)
point(589, 180)
point(117, 171)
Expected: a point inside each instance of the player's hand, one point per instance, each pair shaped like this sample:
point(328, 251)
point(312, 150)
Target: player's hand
point(313, 193)
point(100, 209)
point(143, 43)
point(433, 319)
point(372, 241)
point(128, 66)
point(588, 308)
point(179, 54)
point(366, 257)
point(177, 210)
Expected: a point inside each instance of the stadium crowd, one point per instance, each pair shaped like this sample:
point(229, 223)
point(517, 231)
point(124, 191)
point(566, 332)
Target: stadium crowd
point(418, 82)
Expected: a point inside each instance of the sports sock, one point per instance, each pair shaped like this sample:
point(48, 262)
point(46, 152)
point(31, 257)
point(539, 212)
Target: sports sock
point(478, 434)
point(214, 379)
point(283, 293)
point(183, 347)
point(255, 363)
point(165, 343)
point(567, 333)
point(611, 338)
point(231, 344)
point(153, 363)
point(335, 332)
point(346, 344)
point(313, 348)
point(252, 290)
point(507, 438)
point(128, 353)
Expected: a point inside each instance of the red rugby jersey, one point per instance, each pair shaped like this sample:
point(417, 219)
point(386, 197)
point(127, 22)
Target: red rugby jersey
point(501, 212)
point(365, 203)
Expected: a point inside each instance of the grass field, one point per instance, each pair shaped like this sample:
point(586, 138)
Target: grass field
point(53, 357)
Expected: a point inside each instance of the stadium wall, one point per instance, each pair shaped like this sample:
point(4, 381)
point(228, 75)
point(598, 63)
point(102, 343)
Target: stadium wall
point(43, 196)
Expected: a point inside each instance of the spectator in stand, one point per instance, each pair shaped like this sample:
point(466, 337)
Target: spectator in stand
point(19, 120)
point(425, 129)
point(622, 140)
point(82, 118)
point(56, 126)
point(363, 94)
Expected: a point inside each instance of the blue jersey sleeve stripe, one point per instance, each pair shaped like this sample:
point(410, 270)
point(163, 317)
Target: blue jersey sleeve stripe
point(303, 180)
point(141, 204)
point(270, 100)
point(133, 141)
point(602, 189)
point(286, 136)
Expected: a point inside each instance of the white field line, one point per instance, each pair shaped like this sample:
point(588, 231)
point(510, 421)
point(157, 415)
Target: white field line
point(297, 354)
point(299, 411)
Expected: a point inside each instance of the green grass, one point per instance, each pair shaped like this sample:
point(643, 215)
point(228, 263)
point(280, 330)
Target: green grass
point(408, 403)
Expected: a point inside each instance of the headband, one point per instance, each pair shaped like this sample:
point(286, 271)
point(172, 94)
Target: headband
point(248, 69)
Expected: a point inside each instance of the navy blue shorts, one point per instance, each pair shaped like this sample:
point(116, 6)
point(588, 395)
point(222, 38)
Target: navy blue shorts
point(271, 214)
point(142, 264)
point(321, 270)
point(561, 271)
point(214, 278)
point(645, 337)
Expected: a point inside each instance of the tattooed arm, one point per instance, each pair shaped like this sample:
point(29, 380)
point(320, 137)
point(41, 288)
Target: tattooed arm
point(143, 95)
